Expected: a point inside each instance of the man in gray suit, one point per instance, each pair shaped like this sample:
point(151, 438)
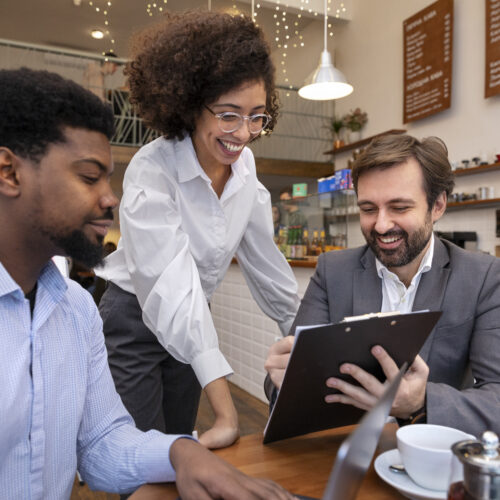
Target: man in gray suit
point(402, 186)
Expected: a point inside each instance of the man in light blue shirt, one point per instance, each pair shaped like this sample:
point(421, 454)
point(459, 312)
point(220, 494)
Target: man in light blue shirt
point(58, 406)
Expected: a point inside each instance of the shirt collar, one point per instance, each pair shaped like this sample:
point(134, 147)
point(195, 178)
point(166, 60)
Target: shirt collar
point(189, 166)
point(7, 284)
point(425, 264)
point(50, 278)
point(240, 169)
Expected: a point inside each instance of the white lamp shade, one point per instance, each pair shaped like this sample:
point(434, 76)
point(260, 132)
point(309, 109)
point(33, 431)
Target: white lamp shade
point(326, 83)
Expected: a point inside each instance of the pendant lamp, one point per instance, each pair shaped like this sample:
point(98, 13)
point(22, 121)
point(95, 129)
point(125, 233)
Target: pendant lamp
point(327, 81)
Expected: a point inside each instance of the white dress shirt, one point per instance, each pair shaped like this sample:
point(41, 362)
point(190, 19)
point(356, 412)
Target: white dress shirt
point(395, 295)
point(58, 404)
point(178, 239)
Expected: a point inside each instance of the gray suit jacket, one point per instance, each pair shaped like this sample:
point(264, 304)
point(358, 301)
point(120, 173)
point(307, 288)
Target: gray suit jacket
point(465, 344)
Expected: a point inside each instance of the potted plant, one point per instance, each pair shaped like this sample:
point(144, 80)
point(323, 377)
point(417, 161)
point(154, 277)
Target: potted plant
point(354, 121)
point(336, 125)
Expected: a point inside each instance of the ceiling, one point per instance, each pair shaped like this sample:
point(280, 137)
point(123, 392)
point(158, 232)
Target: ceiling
point(63, 24)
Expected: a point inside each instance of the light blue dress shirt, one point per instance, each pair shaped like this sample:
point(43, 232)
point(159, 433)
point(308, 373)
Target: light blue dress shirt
point(58, 406)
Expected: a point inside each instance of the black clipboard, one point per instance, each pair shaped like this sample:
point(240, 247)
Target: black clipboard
point(318, 353)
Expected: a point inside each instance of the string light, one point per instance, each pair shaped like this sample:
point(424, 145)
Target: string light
point(339, 10)
point(103, 8)
point(288, 25)
point(285, 23)
point(157, 7)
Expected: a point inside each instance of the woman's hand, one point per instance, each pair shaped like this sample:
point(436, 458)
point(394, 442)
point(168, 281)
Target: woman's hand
point(225, 430)
point(223, 433)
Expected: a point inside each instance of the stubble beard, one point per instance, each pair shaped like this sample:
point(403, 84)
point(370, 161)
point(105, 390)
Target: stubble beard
point(408, 251)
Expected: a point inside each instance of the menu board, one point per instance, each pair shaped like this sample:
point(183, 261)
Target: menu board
point(492, 80)
point(428, 39)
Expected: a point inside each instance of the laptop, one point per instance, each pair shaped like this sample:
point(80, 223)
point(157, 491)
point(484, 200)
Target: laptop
point(356, 452)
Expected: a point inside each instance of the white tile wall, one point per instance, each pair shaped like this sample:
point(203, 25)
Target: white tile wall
point(245, 332)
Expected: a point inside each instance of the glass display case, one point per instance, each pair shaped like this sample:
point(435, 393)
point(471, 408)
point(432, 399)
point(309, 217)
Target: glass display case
point(307, 226)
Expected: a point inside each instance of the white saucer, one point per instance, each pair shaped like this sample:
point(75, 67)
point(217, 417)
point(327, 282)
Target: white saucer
point(402, 482)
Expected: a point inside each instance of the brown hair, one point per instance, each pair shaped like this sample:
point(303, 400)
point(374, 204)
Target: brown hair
point(389, 150)
point(189, 60)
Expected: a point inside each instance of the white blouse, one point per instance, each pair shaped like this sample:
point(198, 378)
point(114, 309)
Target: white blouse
point(177, 242)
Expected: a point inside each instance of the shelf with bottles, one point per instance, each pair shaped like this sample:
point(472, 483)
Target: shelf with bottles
point(296, 243)
point(318, 199)
point(307, 226)
point(343, 204)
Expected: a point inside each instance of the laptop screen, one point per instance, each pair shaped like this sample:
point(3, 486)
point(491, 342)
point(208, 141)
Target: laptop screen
point(356, 452)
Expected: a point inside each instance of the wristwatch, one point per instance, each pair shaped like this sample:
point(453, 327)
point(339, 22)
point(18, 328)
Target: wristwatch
point(417, 417)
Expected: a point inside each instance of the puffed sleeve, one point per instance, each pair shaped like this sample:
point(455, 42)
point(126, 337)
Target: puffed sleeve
point(165, 275)
point(268, 275)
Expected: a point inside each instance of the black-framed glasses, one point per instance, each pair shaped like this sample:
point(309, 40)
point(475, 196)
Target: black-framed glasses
point(231, 122)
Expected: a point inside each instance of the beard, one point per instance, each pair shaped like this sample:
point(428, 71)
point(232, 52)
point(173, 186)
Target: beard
point(68, 241)
point(77, 246)
point(408, 250)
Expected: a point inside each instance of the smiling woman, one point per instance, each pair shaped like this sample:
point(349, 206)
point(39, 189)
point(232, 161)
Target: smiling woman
point(191, 202)
point(189, 60)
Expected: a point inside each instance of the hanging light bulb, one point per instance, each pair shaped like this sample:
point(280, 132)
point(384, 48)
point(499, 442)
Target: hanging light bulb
point(327, 82)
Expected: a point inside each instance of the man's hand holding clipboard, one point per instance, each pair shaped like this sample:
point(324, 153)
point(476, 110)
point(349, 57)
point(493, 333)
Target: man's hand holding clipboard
point(335, 372)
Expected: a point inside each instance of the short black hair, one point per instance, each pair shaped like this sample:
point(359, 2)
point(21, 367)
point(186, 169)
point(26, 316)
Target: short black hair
point(37, 105)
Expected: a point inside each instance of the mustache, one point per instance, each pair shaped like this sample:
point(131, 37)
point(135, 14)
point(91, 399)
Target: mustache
point(388, 234)
point(108, 215)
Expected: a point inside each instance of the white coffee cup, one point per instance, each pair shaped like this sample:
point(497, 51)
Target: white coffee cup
point(426, 453)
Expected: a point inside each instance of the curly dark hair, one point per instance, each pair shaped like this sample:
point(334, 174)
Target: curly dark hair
point(189, 60)
point(37, 105)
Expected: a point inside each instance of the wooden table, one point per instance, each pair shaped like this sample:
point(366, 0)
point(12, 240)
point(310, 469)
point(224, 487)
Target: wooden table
point(301, 465)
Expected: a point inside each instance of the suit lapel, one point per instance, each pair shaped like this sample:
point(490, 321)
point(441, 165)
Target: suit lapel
point(432, 287)
point(367, 289)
